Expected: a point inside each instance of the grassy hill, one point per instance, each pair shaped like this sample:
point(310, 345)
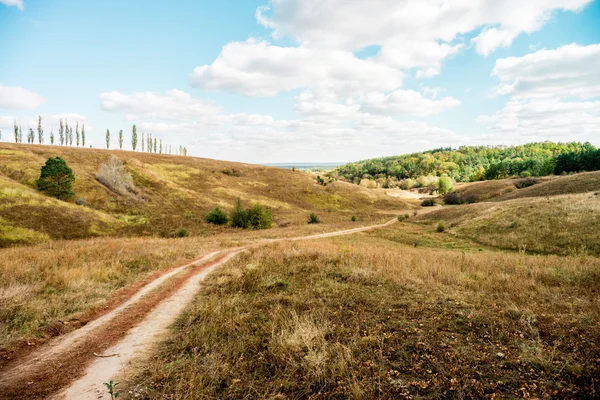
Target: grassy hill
point(172, 192)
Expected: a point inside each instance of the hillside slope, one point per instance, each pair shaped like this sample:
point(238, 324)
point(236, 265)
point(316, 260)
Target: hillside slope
point(172, 192)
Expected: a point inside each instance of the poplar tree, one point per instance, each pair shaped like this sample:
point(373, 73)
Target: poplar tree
point(149, 148)
point(20, 134)
point(77, 133)
point(40, 130)
point(185, 151)
point(52, 137)
point(160, 148)
point(31, 136)
point(121, 139)
point(134, 137)
point(143, 140)
point(107, 139)
point(82, 135)
point(155, 145)
point(16, 128)
point(71, 135)
point(66, 132)
point(61, 132)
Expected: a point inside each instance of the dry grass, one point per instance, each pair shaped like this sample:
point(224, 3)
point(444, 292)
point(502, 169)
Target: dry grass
point(570, 184)
point(358, 317)
point(172, 192)
point(567, 224)
point(44, 289)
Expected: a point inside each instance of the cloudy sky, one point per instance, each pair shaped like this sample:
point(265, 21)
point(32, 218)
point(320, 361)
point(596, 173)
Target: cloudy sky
point(305, 80)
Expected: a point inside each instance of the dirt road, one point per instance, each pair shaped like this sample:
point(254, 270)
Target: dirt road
point(76, 365)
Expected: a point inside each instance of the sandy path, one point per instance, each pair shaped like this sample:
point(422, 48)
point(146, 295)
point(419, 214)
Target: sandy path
point(139, 340)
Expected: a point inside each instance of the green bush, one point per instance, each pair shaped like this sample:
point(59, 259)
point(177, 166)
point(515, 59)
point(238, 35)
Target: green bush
point(259, 217)
point(428, 202)
point(524, 183)
point(441, 227)
point(444, 185)
point(313, 219)
point(239, 216)
point(56, 179)
point(353, 219)
point(216, 216)
point(403, 217)
point(182, 232)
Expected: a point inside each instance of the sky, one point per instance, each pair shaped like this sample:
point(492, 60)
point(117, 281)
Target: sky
point(280, 81)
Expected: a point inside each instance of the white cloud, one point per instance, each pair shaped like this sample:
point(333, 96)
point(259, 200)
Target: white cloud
point(547, 119)
point(13, 3)
point(260, 69)
point(550, 95)
point(355, 24)
point(174, 104)
point(569, 71)
point(18, 98)
point(406, 102)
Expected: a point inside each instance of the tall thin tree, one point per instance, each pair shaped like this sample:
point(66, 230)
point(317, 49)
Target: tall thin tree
point(52, 137)
point(20, 134)
point(16, 128)
point(77, 133)
point(61, 133)
point(134, 138)
point(155, 145)
point(121, 139)
point(40, 130)
point(31, 136)
point(66, 132)
point(107, 139)
point(82, 135)
point(160, 147)
point(143, 142)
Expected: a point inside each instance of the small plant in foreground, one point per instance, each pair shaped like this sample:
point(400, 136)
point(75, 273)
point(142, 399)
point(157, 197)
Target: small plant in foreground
point(216, 216)
point(313, 219)
point(111, 386)
point(428, 202)
point(182, 232)
point(441, 227)
point(56, 178)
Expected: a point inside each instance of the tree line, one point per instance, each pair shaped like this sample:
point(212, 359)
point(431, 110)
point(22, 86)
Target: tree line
point(474, 163)
point(65, 137)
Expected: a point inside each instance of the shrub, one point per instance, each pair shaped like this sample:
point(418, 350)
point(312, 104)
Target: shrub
point(321, 181)
point(453, 198)
point(403, 217)
point(113, 175)
point(182, 232)
point(471, 198)
point(523, 183)
point(216, 216)
point(428, 202)
point(353, 219)
point(238, 216)
point(313, 219)
point(56, 178)
point(441, 227)
point(259, 217)
point(444, 185)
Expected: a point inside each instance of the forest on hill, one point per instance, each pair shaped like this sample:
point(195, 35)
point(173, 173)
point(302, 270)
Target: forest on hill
point(475, 163)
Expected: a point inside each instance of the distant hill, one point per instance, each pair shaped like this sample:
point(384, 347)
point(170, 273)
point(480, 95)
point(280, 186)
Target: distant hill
point(171, 192)
point(475, 163)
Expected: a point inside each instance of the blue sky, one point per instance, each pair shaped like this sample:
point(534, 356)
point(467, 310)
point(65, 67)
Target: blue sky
point(284, 81)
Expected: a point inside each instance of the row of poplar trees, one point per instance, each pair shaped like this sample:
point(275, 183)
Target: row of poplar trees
point(148, 143)
point(65, 137)
point(65, 134)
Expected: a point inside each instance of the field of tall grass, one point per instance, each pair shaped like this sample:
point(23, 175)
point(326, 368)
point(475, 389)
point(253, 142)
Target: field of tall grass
point(364, 317)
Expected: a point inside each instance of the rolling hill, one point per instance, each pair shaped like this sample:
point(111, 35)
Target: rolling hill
point(171, 192)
